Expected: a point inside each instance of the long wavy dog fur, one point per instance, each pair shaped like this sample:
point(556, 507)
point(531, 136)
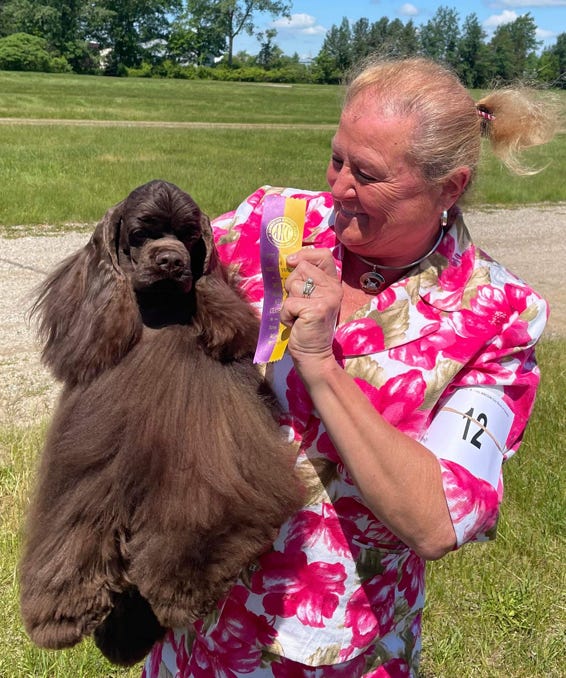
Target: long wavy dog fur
point(164, 472)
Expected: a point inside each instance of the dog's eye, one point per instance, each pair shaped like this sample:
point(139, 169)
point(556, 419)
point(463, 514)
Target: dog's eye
point(138, 237)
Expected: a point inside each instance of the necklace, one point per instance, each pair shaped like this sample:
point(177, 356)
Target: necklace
point(371, 282)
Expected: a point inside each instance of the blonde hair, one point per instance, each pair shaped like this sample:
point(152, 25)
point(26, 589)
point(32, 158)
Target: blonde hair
point(448, 127)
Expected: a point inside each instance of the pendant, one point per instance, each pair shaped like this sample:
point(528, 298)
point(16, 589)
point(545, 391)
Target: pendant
point(371, 282)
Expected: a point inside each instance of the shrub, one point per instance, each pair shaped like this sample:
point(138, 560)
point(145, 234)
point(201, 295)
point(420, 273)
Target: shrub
point(24, 52)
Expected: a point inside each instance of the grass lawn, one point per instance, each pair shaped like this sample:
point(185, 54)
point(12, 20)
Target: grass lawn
point(493, 610)
point(59, 175)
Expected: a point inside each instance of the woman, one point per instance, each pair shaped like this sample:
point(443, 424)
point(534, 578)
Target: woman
point(409, 377)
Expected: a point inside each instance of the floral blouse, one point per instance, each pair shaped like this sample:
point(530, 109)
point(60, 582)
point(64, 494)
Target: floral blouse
point(446, 355)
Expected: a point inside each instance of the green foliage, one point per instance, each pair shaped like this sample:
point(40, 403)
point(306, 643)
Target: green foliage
point(552, 63)
point(440, 36)
point(24, 52)
point(198, 33)
point(238, 16)
point(472, 66)
point(512, 45)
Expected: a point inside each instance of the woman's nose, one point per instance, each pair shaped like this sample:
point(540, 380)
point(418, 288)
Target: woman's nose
point(341, 182)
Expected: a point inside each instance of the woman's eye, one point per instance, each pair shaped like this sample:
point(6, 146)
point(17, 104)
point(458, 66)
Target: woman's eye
point(337, 162)
point(366, 177)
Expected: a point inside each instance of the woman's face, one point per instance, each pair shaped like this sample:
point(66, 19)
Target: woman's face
point(384, 208)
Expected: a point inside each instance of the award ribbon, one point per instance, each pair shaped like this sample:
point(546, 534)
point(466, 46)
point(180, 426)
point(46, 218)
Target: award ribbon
point(281, 234)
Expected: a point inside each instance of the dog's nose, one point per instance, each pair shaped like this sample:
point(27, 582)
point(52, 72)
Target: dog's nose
point(170, 262)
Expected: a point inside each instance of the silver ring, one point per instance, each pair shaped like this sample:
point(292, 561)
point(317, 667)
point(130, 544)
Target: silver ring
point(308, 287)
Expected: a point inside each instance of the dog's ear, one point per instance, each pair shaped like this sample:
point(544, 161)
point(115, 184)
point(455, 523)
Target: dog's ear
point(87, 311)
point(210, 261)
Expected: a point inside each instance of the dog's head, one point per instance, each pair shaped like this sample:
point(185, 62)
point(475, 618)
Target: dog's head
point(164, 239)
point(140, 266)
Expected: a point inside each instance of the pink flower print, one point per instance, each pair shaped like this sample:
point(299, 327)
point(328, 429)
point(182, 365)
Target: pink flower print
point(454, 278)
point(285, 668)
point(394, 668)
point(294, 587)
point(424, 352)
point(233, 645)
point(153, 662)
point(361, 527)
point(412, 578)
point(179, 645)
point(238, 621)
point(225, 656)
point(253, 288)
point(473, 503)
point(325, 447)
point(385, 299)
point(300, 402)
point(370, 611)
point(489, 310)
point(310, 527)
point(399, 400)
point(358, 337)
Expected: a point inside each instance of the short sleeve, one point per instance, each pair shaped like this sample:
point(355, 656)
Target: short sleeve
point(480, 420)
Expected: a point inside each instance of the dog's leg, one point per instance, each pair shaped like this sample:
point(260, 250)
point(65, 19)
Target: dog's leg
point(70, 561)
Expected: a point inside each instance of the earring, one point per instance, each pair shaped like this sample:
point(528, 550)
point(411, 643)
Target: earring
point(444, 219)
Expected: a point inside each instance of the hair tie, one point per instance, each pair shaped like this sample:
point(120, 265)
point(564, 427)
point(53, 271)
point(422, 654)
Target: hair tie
point(486, 117)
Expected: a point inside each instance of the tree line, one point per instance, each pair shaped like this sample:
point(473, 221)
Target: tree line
point(195, 38)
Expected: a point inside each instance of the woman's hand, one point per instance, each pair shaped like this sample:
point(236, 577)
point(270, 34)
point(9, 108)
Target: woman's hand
point(311, 319)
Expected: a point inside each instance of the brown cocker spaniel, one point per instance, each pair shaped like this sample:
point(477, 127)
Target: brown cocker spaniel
point(164, 472)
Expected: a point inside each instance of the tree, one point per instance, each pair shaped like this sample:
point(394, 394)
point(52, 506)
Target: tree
point(198, 32)
point(269, 52)
point(337, 47)
point(360, 39)
point(514, 45)
point(125, 26)
point(439, 37)
point(239, 16)
point(552, 63)
point(473, 66)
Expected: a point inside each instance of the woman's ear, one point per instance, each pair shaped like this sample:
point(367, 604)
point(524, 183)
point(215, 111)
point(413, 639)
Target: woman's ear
point(454, 186)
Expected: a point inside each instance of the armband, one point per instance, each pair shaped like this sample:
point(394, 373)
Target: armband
point(471, 429)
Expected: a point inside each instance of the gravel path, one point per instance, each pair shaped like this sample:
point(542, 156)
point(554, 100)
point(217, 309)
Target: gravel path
point(530, 241)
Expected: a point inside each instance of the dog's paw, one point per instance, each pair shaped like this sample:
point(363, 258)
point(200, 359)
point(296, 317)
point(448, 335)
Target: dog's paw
point(128, 633)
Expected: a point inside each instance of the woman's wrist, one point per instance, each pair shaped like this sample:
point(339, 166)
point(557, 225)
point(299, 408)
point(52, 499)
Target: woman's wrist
point(316, 369)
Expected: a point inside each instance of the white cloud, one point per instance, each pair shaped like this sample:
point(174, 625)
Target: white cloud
point(495, 20)
point(531, 3)
point(543, 34)
point(299, 24)
point(408, 10)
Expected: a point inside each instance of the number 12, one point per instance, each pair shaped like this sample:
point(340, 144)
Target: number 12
point(481, 419)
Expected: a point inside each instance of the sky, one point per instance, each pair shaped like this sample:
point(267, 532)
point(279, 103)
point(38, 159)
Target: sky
point(311, 19)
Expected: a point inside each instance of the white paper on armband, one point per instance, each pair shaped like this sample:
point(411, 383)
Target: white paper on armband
point(471, 429)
